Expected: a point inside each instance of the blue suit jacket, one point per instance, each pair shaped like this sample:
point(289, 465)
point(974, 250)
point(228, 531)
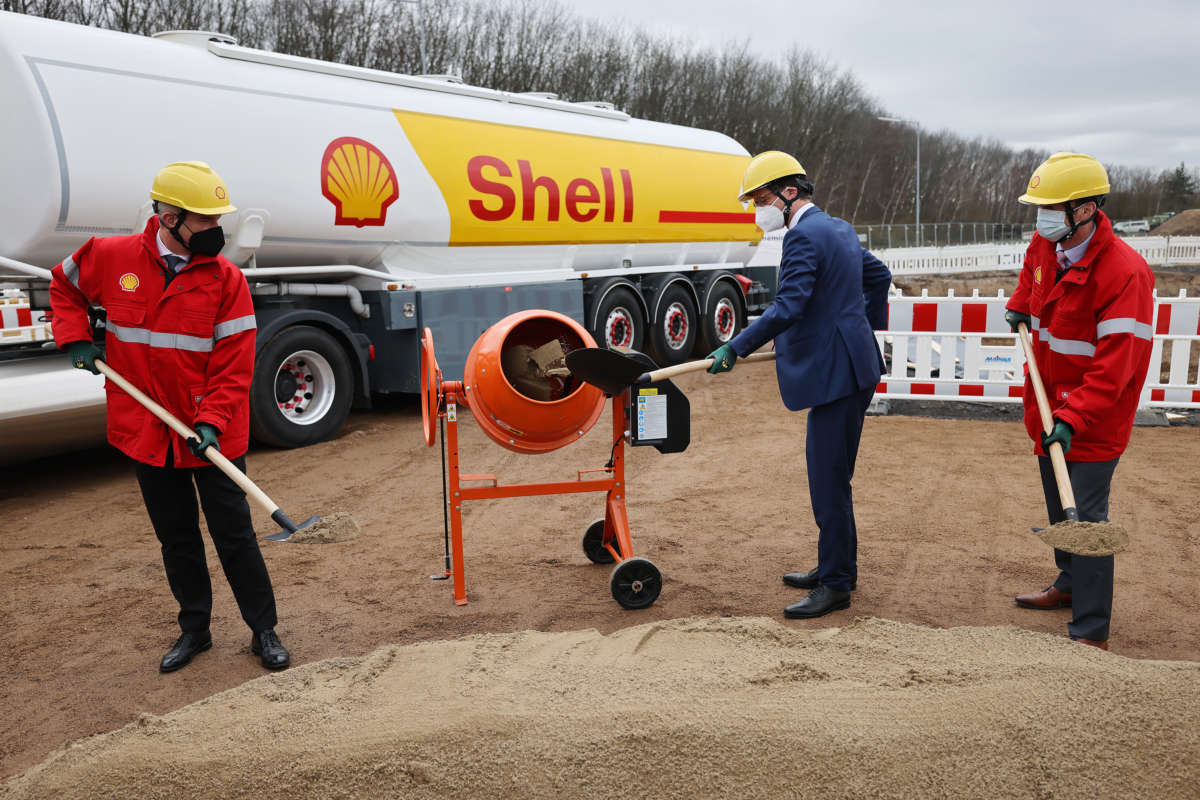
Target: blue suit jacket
point(832, 296)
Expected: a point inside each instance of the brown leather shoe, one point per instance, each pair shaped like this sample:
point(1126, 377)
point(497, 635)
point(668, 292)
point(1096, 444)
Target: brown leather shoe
point(1092, 642)
point(1045, 600)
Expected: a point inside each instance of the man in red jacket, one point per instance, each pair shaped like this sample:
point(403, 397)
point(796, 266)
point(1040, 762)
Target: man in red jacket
point(1088, 300)
point(180, 326)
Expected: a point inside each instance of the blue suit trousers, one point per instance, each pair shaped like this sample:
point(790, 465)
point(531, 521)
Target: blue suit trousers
point(834, 430)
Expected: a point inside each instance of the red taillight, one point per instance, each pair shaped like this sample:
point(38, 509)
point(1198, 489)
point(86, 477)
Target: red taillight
point(370, 352)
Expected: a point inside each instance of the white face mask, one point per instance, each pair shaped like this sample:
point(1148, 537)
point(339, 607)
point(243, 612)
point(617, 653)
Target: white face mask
point(769, 218)
point(1052, 225)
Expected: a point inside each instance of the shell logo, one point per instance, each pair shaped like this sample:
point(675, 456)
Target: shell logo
point(219, 192)
point(359, 180)
point(1035, 181)
point(129, 282)
point(1037, 275)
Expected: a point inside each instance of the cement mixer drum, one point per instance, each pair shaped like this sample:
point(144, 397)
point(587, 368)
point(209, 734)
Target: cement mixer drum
point(517, 396)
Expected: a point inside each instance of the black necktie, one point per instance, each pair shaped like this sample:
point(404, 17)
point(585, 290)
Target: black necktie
point(173, 262)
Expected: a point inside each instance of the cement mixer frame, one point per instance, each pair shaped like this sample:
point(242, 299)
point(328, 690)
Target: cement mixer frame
point(634, 582)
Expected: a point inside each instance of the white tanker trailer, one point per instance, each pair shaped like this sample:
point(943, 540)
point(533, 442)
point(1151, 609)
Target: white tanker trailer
point(371, 205)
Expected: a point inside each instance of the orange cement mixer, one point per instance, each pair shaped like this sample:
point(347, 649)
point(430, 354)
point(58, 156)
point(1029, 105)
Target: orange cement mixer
point(525, 400)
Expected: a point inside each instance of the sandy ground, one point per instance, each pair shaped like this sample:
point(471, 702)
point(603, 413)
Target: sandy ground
point(944, 514)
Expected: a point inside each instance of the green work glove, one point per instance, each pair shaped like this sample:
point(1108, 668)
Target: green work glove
point(208, 438)
point(1015, 318)
point(84, 354)
point(1062, 434)
point(723, 358)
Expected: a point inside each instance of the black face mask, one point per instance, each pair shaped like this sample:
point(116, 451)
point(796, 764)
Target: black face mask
point(205, 243)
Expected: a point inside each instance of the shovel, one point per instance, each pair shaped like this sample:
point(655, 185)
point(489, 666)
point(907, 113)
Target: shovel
point(614, 372)
point(1072, 536)
point(213, 455)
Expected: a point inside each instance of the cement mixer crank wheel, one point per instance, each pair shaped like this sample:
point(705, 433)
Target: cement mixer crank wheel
point(635, 583)
point(431, 388)
point(593, 548)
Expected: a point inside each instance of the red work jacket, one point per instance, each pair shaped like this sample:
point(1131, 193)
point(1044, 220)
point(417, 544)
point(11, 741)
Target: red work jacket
point(1092, 336)
point(186, 340)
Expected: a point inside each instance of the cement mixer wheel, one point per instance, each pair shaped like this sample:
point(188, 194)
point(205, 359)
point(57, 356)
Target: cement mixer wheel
point(593, 547)
point(635, 583)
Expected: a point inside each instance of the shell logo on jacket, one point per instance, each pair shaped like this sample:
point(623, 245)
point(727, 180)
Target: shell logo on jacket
point(1092, 337)
point(186, 340)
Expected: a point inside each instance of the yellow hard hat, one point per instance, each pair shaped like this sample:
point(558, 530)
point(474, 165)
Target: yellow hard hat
point(193, 186)
point(766, 167)
point(1064, 177)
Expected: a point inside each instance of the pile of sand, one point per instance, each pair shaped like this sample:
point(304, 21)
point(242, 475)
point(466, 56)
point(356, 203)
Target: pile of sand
point(1086, 538)
point(336, 527)
point(1185, 223)
point(700, 707)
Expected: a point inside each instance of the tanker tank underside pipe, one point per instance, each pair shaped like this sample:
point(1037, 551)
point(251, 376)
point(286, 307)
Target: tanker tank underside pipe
point(27, 269)
point(316, 290)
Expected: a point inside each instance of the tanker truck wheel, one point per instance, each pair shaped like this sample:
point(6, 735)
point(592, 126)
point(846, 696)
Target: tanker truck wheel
point(619, 322)
point(301, 391)
point(723, 319)
point(673, 332)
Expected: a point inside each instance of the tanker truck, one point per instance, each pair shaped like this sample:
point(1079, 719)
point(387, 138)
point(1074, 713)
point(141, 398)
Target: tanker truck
point(371, 205)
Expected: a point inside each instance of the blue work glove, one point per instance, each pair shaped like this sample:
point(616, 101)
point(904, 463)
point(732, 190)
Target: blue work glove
point(723, 358)
point(1062, 434)
point(208, 438)
point(84, 354)
point(1015, 318)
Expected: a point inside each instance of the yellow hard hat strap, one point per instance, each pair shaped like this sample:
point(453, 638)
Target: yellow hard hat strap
point(1072, 205)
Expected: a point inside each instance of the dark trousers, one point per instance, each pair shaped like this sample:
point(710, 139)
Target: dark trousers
point(834, 430)
point(171, 501)
point(1088, 579)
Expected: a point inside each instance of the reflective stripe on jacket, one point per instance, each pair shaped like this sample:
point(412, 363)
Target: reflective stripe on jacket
point(186, 340)
point(1092, 335)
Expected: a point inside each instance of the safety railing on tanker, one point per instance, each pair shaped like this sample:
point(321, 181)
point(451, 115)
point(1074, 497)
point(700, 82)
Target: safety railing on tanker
point(960, 348)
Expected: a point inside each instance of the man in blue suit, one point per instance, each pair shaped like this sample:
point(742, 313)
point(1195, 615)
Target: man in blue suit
point(832, 295)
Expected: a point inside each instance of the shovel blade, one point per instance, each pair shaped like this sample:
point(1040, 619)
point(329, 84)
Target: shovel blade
point(288, 530)
point(607, 369)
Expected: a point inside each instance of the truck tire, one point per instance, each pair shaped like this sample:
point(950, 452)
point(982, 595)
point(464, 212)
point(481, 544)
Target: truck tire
point(723, 318)
point(302, 388)
point(673, 331)
point(619, 321)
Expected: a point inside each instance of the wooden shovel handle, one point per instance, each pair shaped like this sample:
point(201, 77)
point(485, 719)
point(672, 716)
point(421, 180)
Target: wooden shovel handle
point(693, 366)
point(211, 453)
point(1057, 459)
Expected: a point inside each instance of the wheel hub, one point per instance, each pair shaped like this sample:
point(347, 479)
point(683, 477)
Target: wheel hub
point(619, 328)
point(675, 326)
point(724, 319)
point(304, 387)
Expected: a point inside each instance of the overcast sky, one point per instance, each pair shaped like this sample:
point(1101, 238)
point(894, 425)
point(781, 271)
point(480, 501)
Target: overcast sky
point(1117, 79)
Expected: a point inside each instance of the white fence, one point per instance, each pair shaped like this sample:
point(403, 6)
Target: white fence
point(1157, 250)
point(937, 350)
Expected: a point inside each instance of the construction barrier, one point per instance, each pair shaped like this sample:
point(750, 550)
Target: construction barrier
point(1158, 251)
point(960, 348)
point(18, 322)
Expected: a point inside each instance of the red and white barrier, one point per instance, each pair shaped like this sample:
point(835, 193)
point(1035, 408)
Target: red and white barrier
point(960, 348)
point(18, 322)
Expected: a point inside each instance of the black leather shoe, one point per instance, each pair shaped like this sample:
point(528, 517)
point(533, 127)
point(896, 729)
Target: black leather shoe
point(267, 645)
point(808, 580)
point(820, 601)
point(184, 650)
